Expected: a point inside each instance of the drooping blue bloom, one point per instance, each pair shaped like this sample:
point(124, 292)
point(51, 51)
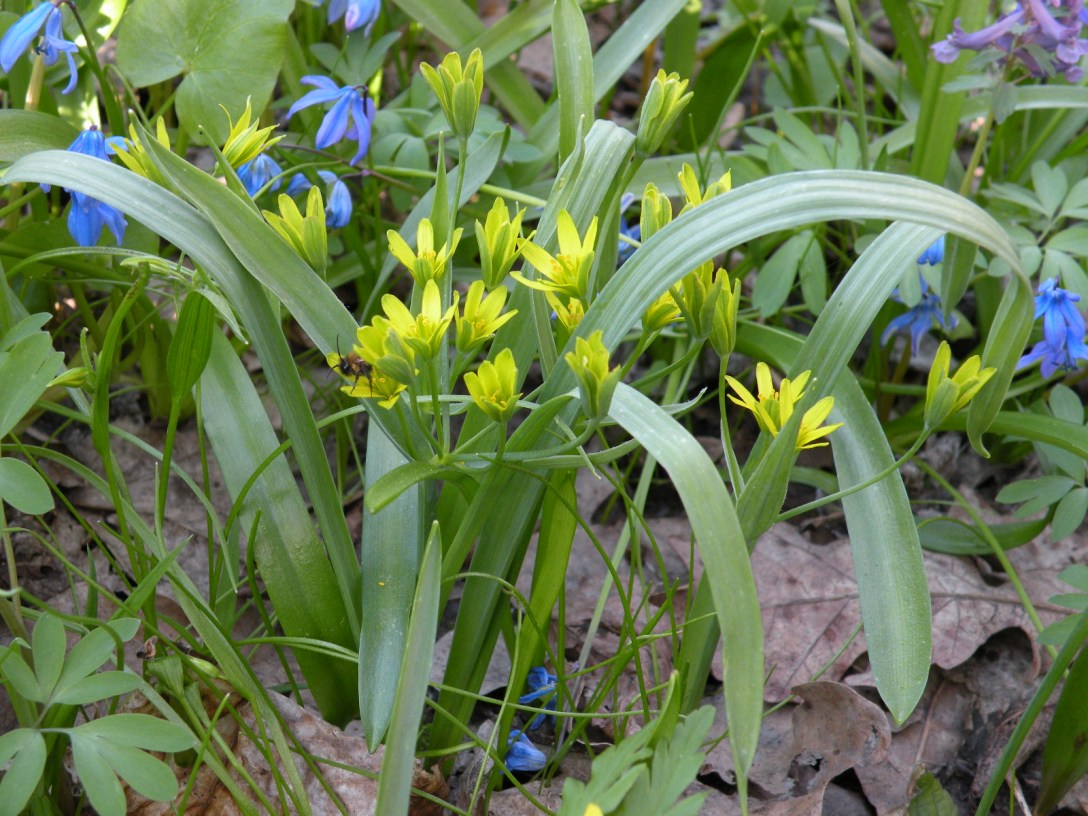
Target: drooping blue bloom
point(934, 254)
point(88, 215)
point(1043, 43)
point(356, 13)
point(18, 38)
point(541, 684)
point(920, 318)
point(626, 250)
point(522, 755)
point(334, 127)
point(338, 203)
point(256, 173)
point(1063, 331)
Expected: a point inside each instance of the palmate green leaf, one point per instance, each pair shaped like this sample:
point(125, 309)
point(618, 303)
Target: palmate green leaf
point(721, 543)
point(573, 74)
point(392, 543)
point(100, 686)
point(398, 764)
point(24, 488)
point(24, 748)
point(227, 51)
point(25, 369)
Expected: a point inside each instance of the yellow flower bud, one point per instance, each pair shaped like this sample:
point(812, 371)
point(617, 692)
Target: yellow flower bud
point(305, 233)
point(946, 395)
point(664, 103)
point(492, 387)
point(597, 383)
point(458, 89)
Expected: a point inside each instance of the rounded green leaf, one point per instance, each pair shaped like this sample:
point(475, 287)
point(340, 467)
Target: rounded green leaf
point(95, 774)
point(225, 50)
point(24, 488)
point(147, 775)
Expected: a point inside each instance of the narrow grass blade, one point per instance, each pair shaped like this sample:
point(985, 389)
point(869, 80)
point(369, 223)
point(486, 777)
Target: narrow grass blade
point(721, 543)
point(395, 782)
point(573, 74)
point(293, 564)
point(1065, 757)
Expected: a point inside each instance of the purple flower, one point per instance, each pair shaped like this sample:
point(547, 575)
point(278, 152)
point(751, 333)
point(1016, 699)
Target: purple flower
point(356, 13)
point(334, 127)
point(934, 254)
point(1043, 43)
point(338, 200)
point(522, 755)
point(919, 318)
point(1063, 330)
point(256, 173)
point(88, 215)
point(23, 31)
point(541, 684)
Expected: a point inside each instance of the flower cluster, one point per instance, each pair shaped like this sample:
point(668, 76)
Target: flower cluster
point(1043, 43)
point(23, 31)
point(919, 318)
point(1063, 330)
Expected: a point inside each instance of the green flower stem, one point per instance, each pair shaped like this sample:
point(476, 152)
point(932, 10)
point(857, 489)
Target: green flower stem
point(506, 193)
point(440, 409)
point(998, 550)
point(736, 475)
point(894, 466)
point(90, 54)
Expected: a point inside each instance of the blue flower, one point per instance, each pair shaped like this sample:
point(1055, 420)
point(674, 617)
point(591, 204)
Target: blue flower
point(338, 200)
point(626, 250)
point(934, 254)
point(1063, 330)
point(88, 215)
point(256, 173)
point(541, 684)
point(334, 126)
point(522, 755)
point(1043, 43)
point(920, 318)
point(23, 31)
point(356, 13)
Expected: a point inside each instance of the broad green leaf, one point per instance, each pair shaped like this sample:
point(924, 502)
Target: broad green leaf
point(573, 74)
point(294, 567)
point(955, 537)
point(398, 764)
point(931, 799)
point(25, 369)
point(94, 649)
point(96, 775)
point(15, 671)
point(23, 132)
point(138, 731)
point(392, 543)
point(25, 749)
point(721, 543)
point(96, 687)
point(147, 775)
point(226, 51)
point(24, 488)
point(191, 344)
point(48, 645)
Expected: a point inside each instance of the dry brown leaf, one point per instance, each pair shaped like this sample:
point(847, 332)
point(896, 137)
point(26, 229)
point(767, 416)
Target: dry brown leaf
point(801, 750)
point(319, 739)
point(810, 604)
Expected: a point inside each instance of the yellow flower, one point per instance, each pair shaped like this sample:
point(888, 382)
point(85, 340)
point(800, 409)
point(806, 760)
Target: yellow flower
point(305, 233)
point(723, 327)
point(458, 89)
point(696, 296)
point(367, 381)
point(424, 263)
point(422, 333)
point(946, 395)
point(656, 211)
point(569, 314)
point(567, 272)
point(245, 142)
point(134, 155)
point(593, 809)
point(597, 383)
point(693, 196)
point(481, 318)
point(492, 386)
point(773, 409)
point(498, 239)
point(661, 313)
